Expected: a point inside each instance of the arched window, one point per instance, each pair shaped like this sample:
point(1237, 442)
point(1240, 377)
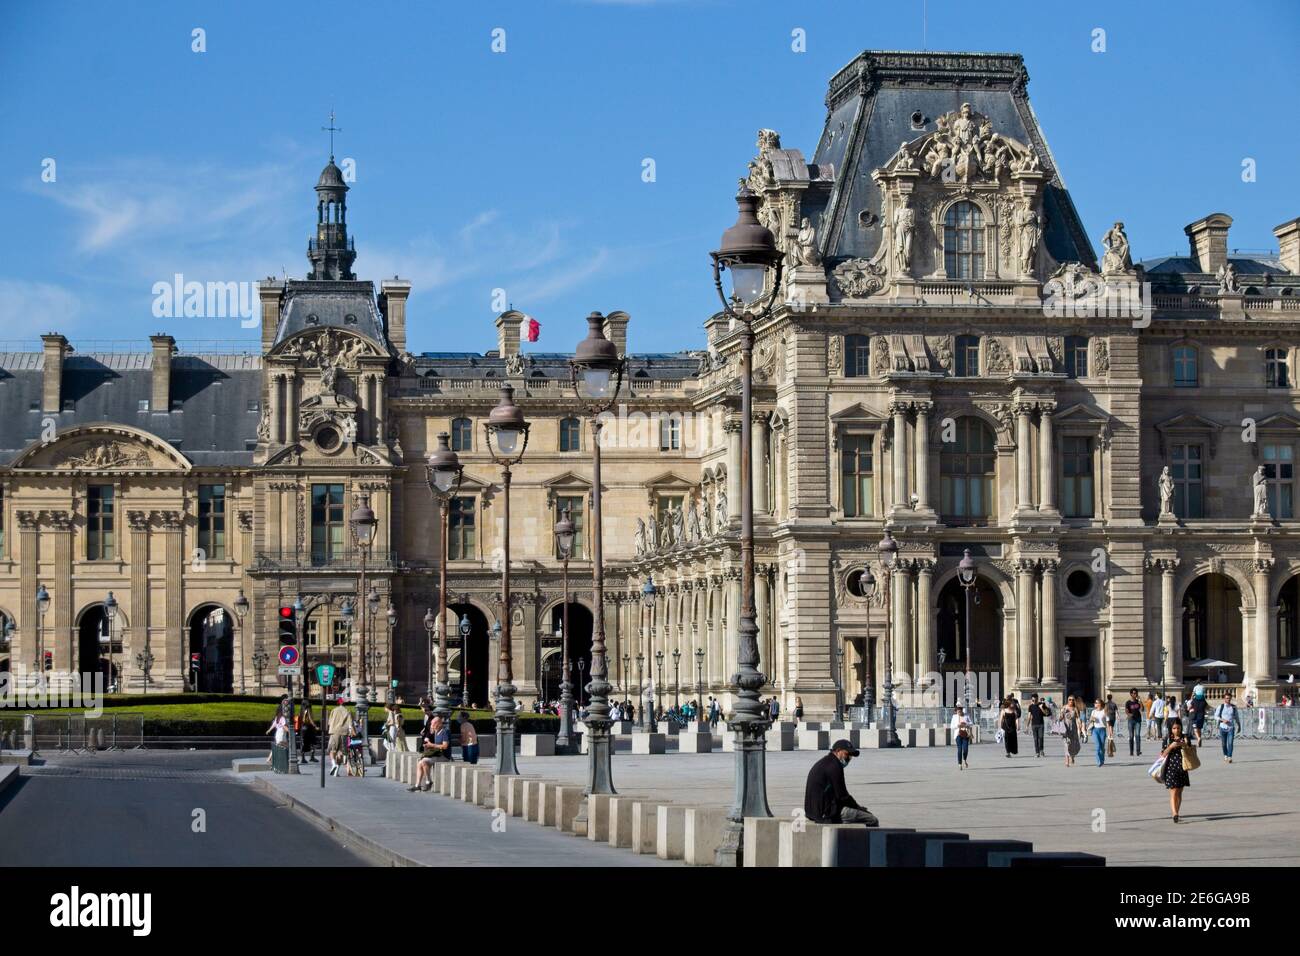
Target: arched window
point(966, 473)
point(1276, 373)
point(462, 434)
point(963, 241)
point(569, 434)
point(1186, 374)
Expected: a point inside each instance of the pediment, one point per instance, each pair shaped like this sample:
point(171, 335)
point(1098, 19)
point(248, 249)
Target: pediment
point(1190, 424)
point(1081, 414)
point(103, 448)
point(567, 480)
point(669, 480)
point(1278, 422)
point(327, 346)
point(859, 413)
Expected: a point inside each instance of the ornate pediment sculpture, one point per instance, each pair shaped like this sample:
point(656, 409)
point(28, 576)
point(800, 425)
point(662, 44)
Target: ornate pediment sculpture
point(102, 455)
point(858, 278)
point(965, 149)
point(327, 348)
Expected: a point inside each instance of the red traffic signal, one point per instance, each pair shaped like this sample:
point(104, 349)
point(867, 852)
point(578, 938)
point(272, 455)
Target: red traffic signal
point(288, 625)
point(49, 660)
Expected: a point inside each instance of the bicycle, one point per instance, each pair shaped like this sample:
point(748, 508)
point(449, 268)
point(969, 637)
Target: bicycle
point(356, 761)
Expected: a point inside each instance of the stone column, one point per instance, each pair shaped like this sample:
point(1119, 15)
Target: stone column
point(1168, 637)
point(1023, 502)
point(923, 455)
point(899, 411)
point(277, 409)
point(60, 637)
point(762, 605)
point(381, 431)
point(926, 649)
point(728, 633)
point(732, 428)
point(363, 403)
point(1051, 642)
point(294, 389)
point(1027, 657)
point(1046, 461)
point(716, 666)
point(138, 522)
point(759, 471)
point(1257, 662)
point(176, 641)
point(902, 624)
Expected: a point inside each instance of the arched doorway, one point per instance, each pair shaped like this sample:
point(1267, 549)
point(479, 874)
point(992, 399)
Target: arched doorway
point(985, 631)
point(1212, 630)
point(580, 631)
point(212, 639)
point(1288, 629)
point(472, 667)
point(93, 649)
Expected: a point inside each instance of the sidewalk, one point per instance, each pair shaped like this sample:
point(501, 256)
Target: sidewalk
point(421, 829)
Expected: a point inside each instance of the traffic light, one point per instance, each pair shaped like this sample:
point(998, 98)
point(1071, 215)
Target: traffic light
point(194, 662)
point(288, 625)
point(49, 660)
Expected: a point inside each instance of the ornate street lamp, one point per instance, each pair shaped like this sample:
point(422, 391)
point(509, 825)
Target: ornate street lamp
point(640, 685)
point(749, 253)
point(582, 667)
point(888, 549)
point(966, 575)
point(627, 673)
point(390, 690)
point(444, 473)
point(1164, 657)
point(464, 629)
point(364, 525)
point(241, 609)
point(260, 660)
point(677, 678)
point(564, 533)
point(596, 371)
point(699, 686)
point(659, 662)
point(507, 439)
point(42, 606)
point(648, 594)
point(110, 615)
point(430, 624)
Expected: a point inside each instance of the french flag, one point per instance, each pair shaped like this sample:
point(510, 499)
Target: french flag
point(534, 329)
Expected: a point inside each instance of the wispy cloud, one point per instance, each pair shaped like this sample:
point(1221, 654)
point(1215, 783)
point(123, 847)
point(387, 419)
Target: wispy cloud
point(28, 309)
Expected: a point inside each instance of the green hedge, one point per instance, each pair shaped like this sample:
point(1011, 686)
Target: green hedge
point(484, 724)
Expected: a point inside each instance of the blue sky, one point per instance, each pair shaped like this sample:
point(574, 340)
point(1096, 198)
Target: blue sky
point(522, 170)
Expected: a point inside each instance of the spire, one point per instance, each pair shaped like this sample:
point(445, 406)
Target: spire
point(331, 253)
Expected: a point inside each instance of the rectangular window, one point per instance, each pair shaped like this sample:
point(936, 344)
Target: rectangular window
point(966, 355)
point(670, 431)
point(857, 356)
point(1185, 467)
point(570, 439)
point(574, 504)
point(1185, 370)
point(462, 435)
point(1278, 474)
point(212, 522)
point(1276, 373)
point(1076, 356)
point(1076, 477)
point(328, 524)
point(856, 475)
point(99, 523)
point(310, 633)
point(342, 633)
point(460, 530)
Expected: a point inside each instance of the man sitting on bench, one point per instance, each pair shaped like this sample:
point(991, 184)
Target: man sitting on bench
point(435, 744)
point(826, 799)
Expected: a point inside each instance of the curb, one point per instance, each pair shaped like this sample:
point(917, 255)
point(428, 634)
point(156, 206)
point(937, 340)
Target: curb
point(385, 855)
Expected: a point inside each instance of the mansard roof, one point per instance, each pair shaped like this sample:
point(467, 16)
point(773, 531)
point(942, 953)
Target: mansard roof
point(348, 305)
point(660, 366)
point(885, 98)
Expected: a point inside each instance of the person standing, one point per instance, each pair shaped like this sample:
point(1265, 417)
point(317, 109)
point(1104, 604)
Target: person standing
point(1155, 715)
point(1174, 773)
point(961, 731)
point(1229, 725)
point(341, 729)
point(468, 738)
point(1112, 717)
point(1009, 720)
point(280, 728)
point(307, 724)
point(798, 708)
point(1070, 730)
point(1097, 723)
point(1133, 708)
point(1037, 717)
point(394, 728)
point(1171, 715)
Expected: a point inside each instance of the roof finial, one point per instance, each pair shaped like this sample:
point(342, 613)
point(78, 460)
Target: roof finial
point(332, 129)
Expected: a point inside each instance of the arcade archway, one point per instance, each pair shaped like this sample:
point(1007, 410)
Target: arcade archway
point(580, 633)
point(94, 651)
point(212, 639)
point(471, 669)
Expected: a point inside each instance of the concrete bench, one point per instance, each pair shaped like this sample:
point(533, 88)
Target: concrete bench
point(514, 797)
point(849, 845)
point(799, 842)
point(645, 826)
point(694, 742)
point(243, 765)
point(970, 852)
point(762, 841)
point(1019, 860)
point(814, 739)
point(668, 727)
point(779, 737)
point(702, 834)
point(877, 738)
point(480, 786)
point(903, 848)
point(560, 804)
point(537, 745)
point(670, 836)
point(617, 822)
point(649, 743)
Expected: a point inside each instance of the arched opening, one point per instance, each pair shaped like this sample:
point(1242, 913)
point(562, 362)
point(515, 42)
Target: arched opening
point(1212, 645)
point(212, 639)
point(1288, 628)
point(985, 627)
point(580, 631)
point(473, 667)
point(94, 651)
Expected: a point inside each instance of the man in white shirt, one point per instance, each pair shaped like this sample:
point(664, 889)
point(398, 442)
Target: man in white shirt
point(1156, 718)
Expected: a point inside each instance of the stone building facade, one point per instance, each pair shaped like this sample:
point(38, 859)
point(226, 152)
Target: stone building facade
point(1112, 441)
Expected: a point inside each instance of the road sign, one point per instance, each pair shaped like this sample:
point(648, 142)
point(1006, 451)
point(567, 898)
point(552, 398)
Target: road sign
point(289, 670)
point(325, 675)
point(288, 656)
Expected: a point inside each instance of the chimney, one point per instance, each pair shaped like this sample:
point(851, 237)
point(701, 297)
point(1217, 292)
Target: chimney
point(1288, 245)
point(1209, 241)
point(393, 294)
point(160, 399)
point(269, 292)
point(55, 347)
point(508, 327)
point(616, 330)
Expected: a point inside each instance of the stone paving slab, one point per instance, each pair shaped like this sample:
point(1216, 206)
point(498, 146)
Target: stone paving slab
point(422, 829)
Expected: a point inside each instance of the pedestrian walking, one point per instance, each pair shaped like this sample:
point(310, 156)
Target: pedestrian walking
point(1197, 708)
point(307, 725)
point(1037, 726)
point(468, 738)
point(961, 731)
point(1133, 710)
point(1171, 715)
point(341, 729)
point(394, 728)
point(1009, 720)
point(1097, 723)
point(1229, 725)
point(280, 728)
point(1176, 754)
point(1155, 709)
point(826, 799)
point(798, 708)
point(1070, 730)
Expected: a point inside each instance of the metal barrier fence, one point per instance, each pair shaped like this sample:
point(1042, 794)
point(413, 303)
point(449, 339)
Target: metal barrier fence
point(75, 732)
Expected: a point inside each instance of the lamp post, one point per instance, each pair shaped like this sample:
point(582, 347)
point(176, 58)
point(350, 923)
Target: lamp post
point(888, 549)
point(868, 646)
point(659, 663)
point(464, 629)
point(596, 371)
point(648, 594)
point(582, 685)
point(110, 615)
point(443, 472)
point(839, 678)
point(677, 678)
point(431, 624)
point(564, 532)
point(371, 642)
point(626, 674)
point(507, 439)
point(241, 608)
point(966, 575)
point(1164, 657)
point(364, 525)
point(144, 661)
point(390, 689)
point(260, 660)
point(42, 606)
point(699, 686)
point(640, 686)
point(749, 253)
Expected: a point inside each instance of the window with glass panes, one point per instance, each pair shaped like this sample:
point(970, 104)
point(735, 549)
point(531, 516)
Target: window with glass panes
point(1076, 476)
point(1076, 356)
point(328, 523)
point(1186, 469)
point(574, 503)
point(462, 434)
point(966, 355)
point(856, 475)
point(670, 431)
point(1278, 475)
point(963, 242)
point(342, 633)
point(857, 356)
point(1276, 372)
point(570, 436)
point(310, 632)
point(460, 529)
point(1185, 366)
point(212, 521)
point(966, 468)
point(99, 523)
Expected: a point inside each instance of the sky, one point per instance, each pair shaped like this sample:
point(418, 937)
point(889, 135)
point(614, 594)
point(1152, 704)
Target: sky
point(128, 157)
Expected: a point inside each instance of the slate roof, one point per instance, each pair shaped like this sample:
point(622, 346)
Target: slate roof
point(661, 366)
point(342, 304)
point(870, 106)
